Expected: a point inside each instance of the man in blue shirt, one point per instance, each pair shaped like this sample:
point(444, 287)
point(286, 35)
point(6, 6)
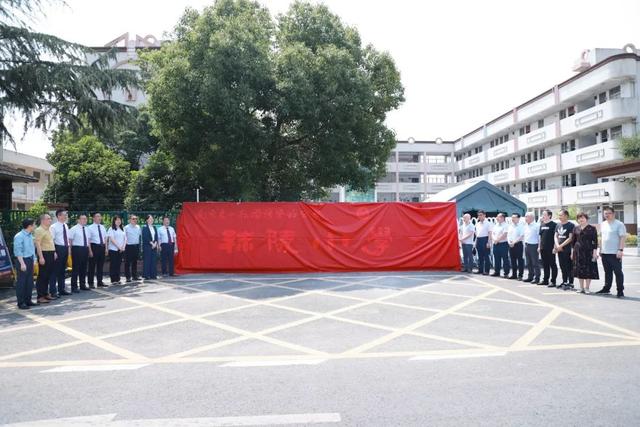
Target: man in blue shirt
point(25, 251)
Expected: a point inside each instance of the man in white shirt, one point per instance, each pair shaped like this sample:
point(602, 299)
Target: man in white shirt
point(483, 244)
point(60, 233)
point(515, 236)
point(466, 233)
point(98, 250)
point(500, 247)
point(79, 239)
point(132, 250)
point(168, 246)
point(612, 243)
point(531, 242)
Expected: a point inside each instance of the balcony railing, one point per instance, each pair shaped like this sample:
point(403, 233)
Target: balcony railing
point(606, 152)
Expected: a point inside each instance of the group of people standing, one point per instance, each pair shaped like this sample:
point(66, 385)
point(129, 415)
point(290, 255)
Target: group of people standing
point(50, 245)
point(576, 248)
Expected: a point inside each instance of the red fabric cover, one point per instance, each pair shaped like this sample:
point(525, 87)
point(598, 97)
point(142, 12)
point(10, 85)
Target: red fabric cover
point(285, 237)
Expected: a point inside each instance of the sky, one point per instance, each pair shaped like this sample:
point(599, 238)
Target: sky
point(462, 62)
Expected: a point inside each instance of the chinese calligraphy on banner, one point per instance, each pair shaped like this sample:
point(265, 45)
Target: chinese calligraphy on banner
point(281, 237)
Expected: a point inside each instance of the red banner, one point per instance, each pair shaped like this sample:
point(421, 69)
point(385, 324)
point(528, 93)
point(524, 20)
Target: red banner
point(285, 237)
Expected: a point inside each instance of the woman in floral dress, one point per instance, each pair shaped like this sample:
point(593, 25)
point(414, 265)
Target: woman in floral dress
point(585, 253)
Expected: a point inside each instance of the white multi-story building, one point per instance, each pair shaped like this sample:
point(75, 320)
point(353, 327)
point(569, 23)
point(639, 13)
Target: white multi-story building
point(559, 149)
point(126, 54)
point(25, 194)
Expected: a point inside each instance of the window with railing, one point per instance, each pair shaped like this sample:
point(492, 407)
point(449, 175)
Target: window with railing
point(532, 156)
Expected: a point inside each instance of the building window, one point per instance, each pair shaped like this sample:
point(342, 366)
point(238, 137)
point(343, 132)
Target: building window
point(616, 132)
point(437, 179)
point(21, 170)
point(568, 146)
point(563, 114)
point(571, 111)
point(436, 159)
point(36, 175)
point(614, 93)
point(540, 123)
point(21, 206)
point(604, 135)
point(602, 98)
point(569, 180)
point(543, 184)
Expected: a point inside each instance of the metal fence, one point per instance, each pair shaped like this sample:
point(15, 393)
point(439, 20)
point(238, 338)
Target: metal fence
point(11, 220)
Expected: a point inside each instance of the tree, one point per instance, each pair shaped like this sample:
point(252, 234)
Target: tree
point(255, 109)
point(133, 139)
point(155, 187)
point(630, 147)
point(88, 175)
point(47, 79)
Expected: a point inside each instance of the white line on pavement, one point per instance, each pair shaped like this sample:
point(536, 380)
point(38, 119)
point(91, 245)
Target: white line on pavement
point(251, 363)
point(458, 356)
point(254, 420)
point(560, 293)
point(94, 368)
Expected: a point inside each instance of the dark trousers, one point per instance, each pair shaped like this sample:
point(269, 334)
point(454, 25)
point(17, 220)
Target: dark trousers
point(96, 264)
point(549, 263)
point(483, 255)
point(149, 263)
point(612, 265)
point(517, 262)
point(115, 259)
point(131, 261)
point(501, 258)
point(24, 281)
point(79, 260)
point(166, 258)
point(566, 265)
point(533, 261)
point(60, 266)
point(44, 273)
point(467, 256)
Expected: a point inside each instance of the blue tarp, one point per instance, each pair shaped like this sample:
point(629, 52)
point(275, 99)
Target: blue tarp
point(480, 195)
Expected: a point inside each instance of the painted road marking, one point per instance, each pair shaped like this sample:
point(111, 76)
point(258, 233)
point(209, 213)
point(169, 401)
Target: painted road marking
point(459, 356)
point(95, 368)
point(251, 420)
point(291, 362)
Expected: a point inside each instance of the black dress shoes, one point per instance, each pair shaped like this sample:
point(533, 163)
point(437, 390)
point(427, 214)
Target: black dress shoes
point(603, 292)
point(65, 293)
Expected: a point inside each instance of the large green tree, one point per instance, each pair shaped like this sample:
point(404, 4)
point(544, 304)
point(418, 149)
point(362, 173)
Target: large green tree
point(133, 138)
point(157, 186)
point(88, 174)
point(47, 80)
point(252, 108)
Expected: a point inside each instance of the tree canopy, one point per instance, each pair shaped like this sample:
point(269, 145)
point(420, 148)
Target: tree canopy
point(88, 174)
point(46, 79)
point(249, 107)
